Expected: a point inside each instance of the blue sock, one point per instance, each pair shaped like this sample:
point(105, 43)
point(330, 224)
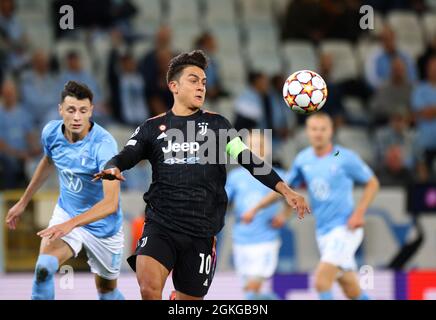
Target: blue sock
point(112, 295)
point(250, 295)
point(43, 282)
point(363, 296)
point(268, 296)
point(325, 295)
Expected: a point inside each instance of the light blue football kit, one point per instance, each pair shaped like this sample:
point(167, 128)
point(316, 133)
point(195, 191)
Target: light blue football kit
point(244, 192)
point(256, 245)
point(330, 180)
point(76, 164)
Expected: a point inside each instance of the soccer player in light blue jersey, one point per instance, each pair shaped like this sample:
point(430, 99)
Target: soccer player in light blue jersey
point(330, 171)
point(87, 214)
point(256, 245)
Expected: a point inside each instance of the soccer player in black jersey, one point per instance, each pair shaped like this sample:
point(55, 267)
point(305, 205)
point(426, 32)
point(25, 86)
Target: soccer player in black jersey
point(186, 201)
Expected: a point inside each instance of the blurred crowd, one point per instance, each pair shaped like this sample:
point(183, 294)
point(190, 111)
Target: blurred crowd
point(397, 90)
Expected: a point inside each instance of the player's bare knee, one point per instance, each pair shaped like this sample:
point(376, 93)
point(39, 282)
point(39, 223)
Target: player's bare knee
point(150, 292)
point(150, 289)
point(254, 285)
point(322, 284)
point(351, 291)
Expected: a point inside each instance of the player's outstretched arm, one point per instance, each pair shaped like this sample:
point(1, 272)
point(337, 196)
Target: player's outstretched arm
point(357, 219)
point(133, 152)
point(42, 172)
point(108, 205)
point(293, 199)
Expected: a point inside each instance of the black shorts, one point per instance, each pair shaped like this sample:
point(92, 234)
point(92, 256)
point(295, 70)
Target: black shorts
point(192, 260)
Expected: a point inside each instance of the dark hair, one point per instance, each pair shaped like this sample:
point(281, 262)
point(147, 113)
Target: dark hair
point(200, 41)
point(72, 54)
point(253, 75)
point(177, 64)
point(77, 90)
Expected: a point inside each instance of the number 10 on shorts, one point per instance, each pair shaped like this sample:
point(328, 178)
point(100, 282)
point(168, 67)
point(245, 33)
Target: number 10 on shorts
point(205, 265)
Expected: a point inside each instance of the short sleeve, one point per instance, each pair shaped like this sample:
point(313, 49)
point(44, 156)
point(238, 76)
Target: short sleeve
point(106, 151)
point(44, 140)
point(357, 169)
point(294, 178)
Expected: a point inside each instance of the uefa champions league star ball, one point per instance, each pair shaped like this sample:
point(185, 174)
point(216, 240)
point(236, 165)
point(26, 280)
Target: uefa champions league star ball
point(305, 92)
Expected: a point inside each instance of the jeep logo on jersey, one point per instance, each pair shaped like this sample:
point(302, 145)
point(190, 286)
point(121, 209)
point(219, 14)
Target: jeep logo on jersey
point(202, 143)
point(71, 181)
point(190, 147)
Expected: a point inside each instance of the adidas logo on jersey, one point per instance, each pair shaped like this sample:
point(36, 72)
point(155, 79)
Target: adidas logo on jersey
point(162, 136)
point(206, 283)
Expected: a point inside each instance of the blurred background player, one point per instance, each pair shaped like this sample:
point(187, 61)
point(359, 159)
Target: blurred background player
point(87, 213)
point(18, 141)
point(330, 171)
point(256, 245)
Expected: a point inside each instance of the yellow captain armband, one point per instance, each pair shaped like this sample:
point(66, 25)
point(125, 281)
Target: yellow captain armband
point(235, 147)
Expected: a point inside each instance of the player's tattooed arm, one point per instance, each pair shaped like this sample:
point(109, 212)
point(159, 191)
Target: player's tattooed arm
point(42, 172)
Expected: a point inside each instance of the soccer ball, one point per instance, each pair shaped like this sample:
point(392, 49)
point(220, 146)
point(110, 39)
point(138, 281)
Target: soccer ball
point(305, 92)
